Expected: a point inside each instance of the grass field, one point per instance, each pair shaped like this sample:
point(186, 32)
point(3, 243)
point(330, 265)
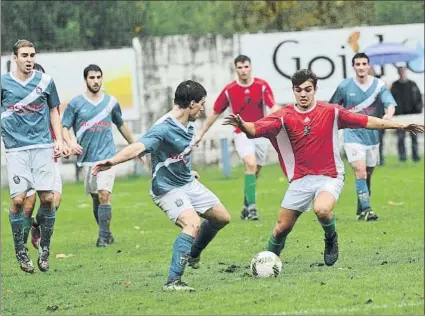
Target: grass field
point(380, 270)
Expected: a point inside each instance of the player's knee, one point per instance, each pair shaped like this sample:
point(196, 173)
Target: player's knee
point(18, 202)
point(282, 228)
point(104, 197)
point(193, 225)
point(323, 212)
point(58, 199)
point(47, 199)
point(224, 220)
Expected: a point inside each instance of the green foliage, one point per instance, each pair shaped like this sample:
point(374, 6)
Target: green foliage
point(381, 263)
point(77, 25)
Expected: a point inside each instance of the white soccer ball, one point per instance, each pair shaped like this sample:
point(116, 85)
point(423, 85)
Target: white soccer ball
point(265, 265)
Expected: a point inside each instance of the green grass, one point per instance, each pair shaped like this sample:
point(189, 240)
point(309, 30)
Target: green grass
point(379, 261)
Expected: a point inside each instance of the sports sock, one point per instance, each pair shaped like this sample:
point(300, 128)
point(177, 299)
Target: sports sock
point(245, 203)
point(96, 204)
point(17, 224)
point(46, 225)
point(105, 215)
point(329, 226)
point(181, 250)
point(363, 194)
point(250, 184)
point(27, 227)
point(206, 234)
point(276, 244)
point(369, 183)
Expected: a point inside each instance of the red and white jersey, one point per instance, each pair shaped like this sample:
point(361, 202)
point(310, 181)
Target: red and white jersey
point(307, 142)
point(246, 100)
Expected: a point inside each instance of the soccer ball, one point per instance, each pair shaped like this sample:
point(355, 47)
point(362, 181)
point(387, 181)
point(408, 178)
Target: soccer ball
point(265, 265)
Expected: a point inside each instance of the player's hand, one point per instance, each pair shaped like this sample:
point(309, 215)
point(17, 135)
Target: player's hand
point(102, 166)
point(66, 151)
point(234, 120)
point(197, 176)
point(198, 140)
point(414, 128)
point(387, 117)
point(58, 149)
point(142, 159)
point(76, 148)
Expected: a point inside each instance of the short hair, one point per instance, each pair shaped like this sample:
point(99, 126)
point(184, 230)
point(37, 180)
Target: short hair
point(242, 59)
point(359, 55)
point(189, 91)
point(21, 43)
point(91, 67)
point(303, 75)
point(39, 68)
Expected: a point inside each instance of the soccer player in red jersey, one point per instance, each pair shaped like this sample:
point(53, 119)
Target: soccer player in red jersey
point(30, 224)
point(305, 136)
point(248, 97)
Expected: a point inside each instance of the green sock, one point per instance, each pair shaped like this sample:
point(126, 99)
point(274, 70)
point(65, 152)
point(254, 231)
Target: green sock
point(250, 184)
point(27, 227)
point(276, 244)
point(329, 227)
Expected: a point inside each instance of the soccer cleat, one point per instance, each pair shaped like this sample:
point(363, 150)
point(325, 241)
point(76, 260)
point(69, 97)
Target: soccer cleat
point(194, 262)
point(252, 215)
point(110, 240)
point(102, 242)
point(35, 236)
point(43, 259)
point(177, 285)
point(244, 214)
point(331, 250)
point(367, 216)
point(24, 261)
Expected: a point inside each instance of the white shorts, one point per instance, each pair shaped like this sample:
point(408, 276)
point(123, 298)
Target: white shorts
point(58, 182)
point(193, 195)
point(255, 146)
point(30, 169)
point(302, 192)
point(103, 181)
point(367, 153)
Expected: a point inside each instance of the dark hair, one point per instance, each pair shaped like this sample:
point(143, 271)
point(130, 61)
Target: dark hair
point(303, 75)
point(39, 68)
point(359, 55)
point(242, 59)
point(187, 92)
point(91, 67)
point(21, 43)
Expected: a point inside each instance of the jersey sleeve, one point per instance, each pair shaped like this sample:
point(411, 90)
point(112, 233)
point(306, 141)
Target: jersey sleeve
point(153, 138)
point(347, 119)
point(386, 97)
point(268, 96)
point(338, 97)
point(269, 126)
point(221, 103)
point(52, 97)
point(68, 117)
point(117, 115)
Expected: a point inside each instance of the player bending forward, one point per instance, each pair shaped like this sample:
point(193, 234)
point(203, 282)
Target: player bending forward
point(305, 136)
point(175, 188)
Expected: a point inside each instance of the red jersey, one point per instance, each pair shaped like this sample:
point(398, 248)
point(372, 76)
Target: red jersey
point(247, 101)
point(53, 135)
point(307, 142)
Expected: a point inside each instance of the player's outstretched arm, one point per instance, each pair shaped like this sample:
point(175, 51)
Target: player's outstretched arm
point(235, 120)
point(208, 123)
point(129, 152)
point(377, 123)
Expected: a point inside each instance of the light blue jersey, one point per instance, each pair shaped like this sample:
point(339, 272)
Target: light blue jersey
point(25, 111)
point(170, 144)
point(367, 100)
point(92, 125)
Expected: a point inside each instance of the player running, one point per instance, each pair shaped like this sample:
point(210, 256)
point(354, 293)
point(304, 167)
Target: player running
point(363, 94)
point(305, 136)
point(91, 115)
point(29, 102)
point(175, 187)
point(247, 96)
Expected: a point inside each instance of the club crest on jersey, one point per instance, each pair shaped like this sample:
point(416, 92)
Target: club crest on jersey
point(247, 99)
point(16, 179)
point(307, 130)
point(38, 90)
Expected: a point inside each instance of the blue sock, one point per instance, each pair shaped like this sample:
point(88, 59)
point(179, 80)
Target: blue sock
point(181, 250)
point(363, 194)
point(17, 224)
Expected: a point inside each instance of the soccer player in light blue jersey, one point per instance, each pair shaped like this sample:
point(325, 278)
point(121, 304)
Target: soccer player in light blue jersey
point(175, 187)
point(362, 94)
point(29, 102)
point(91, 116)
